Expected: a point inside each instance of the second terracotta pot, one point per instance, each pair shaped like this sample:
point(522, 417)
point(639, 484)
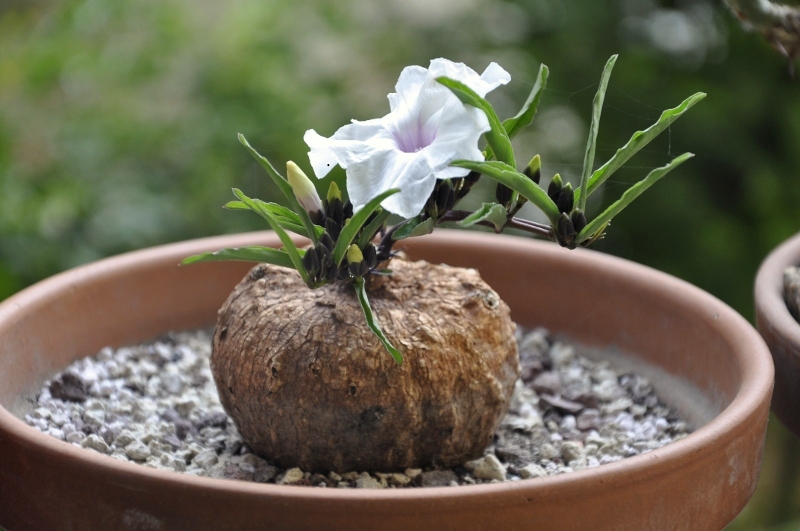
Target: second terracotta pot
point(781, 331)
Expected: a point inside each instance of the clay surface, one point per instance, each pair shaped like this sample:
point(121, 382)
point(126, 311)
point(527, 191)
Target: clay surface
point(309, 385)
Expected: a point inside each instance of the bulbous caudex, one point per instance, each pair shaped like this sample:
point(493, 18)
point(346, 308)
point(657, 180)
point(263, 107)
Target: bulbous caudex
point(309, 385)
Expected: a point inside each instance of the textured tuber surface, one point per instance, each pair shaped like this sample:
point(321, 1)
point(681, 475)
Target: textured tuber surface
point(309, 385)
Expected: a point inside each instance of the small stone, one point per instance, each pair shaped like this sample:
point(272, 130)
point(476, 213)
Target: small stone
point(412, 472)
point(96, 443)
point(137, 451)
point(172, 383)
point(572, 451)
point(42, 413)
point(205, 459)
point(589, 419)
point(76, 437)
point(217, 419)
point(562, 354)
point(489, 467)
point(293, 475)
point(124, 438)
point(548, 451)
point(265, 473)
point(561, 404)
point(368, 483)
point(237, 473)
point(399, 480)
point(94, 418)
point(532, 471)
point(617, 406)
point(437, 478)
point(350, 476)
point(334, 476)
point(547, 383)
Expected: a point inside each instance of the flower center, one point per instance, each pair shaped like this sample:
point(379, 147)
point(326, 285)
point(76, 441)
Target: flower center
point(412, 137)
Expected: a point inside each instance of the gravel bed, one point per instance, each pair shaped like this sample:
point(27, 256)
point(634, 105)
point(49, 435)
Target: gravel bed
point(156, 404)
point(791, 287)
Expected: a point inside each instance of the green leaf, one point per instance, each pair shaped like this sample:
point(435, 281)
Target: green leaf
point(369, 231)
point(354, 224)
point(494, 213)
point(373, 323)
point(251, 253)
point(406, 228)
point(288, 219)
point(591, 142)
point(524, 117)
point(507, 175)
point(288, 244)
point(639, 140)
point(284, 186)
point(497, 137)
point(627, 198)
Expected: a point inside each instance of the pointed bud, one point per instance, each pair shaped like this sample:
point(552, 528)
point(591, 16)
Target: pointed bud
point(327, 241)
point(332, 228)
point(303, 188)
point(348, 209)
point(503, 194)
point(324, 255)
point(578, 219)
point(333, 192)
point(566, 199)
point(355, 260)
point(533, 170)
point(354, 254)
point(556, 184)
point(311, 262)
point(565, 232)
point(370, 255)
point(441, 196)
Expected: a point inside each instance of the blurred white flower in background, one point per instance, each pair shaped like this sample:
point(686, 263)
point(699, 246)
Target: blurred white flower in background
point(412, 146)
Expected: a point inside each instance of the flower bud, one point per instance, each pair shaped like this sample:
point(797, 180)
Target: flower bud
point(327, 241)
point(578, 219)
point(556, 184)
point(566, 198)
point(355, 261)
point(533, 170)
point(311, 262)
point(333, 192)
point(332, 228)
point(503, 194)
point(370, 255)
point(565, 232)
point(303, 188)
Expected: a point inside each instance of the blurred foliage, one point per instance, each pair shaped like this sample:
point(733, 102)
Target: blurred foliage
point(118, 124)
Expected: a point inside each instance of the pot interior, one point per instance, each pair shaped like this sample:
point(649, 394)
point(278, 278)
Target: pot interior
point(644, 320)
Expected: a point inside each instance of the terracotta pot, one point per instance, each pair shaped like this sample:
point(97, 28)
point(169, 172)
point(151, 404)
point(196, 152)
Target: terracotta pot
point(781, 331)
point(700, 354)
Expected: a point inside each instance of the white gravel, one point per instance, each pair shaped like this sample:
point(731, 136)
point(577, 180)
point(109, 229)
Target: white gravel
point(156, 405)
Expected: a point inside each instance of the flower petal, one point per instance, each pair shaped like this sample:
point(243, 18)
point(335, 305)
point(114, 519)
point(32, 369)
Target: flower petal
point(351, 142)
point(492, 77)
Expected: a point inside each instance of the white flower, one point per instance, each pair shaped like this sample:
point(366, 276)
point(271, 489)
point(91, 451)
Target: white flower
point(412, 146)
point(303, 188)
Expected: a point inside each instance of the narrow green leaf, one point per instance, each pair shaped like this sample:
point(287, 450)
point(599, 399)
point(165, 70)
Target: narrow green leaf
point(503, 173)
point(251, 253)
point(284, 186)
point(369, 231)
point(639, 140)
point(494, 213)
point(361, 291)
point(426, 227)
point(524, 117)
point(288, 219)
point(497, 137)
point(351, 228)
point(289, 246)
point(627, 198)
point(591, 142)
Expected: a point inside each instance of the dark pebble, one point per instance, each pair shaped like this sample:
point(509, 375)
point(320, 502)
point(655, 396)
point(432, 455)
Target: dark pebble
point(547, 383)
point(69, 387)
point(217, 419)
point(265, 473)
point(172, 440)
point(234, 472)
point(562, 404)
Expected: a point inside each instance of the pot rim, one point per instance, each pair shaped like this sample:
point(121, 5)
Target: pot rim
point(769, 299)
point(753, 357)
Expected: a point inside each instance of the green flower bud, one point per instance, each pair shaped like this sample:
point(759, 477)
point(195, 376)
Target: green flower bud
point(333, 192)
point(303, 188)
point(556, 184)
point(533, 170)
point(354, 255)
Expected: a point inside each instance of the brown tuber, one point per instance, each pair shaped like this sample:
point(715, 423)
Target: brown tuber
point(309, 385)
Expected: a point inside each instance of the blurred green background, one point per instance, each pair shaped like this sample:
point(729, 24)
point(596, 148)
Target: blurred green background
point(118, 125)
